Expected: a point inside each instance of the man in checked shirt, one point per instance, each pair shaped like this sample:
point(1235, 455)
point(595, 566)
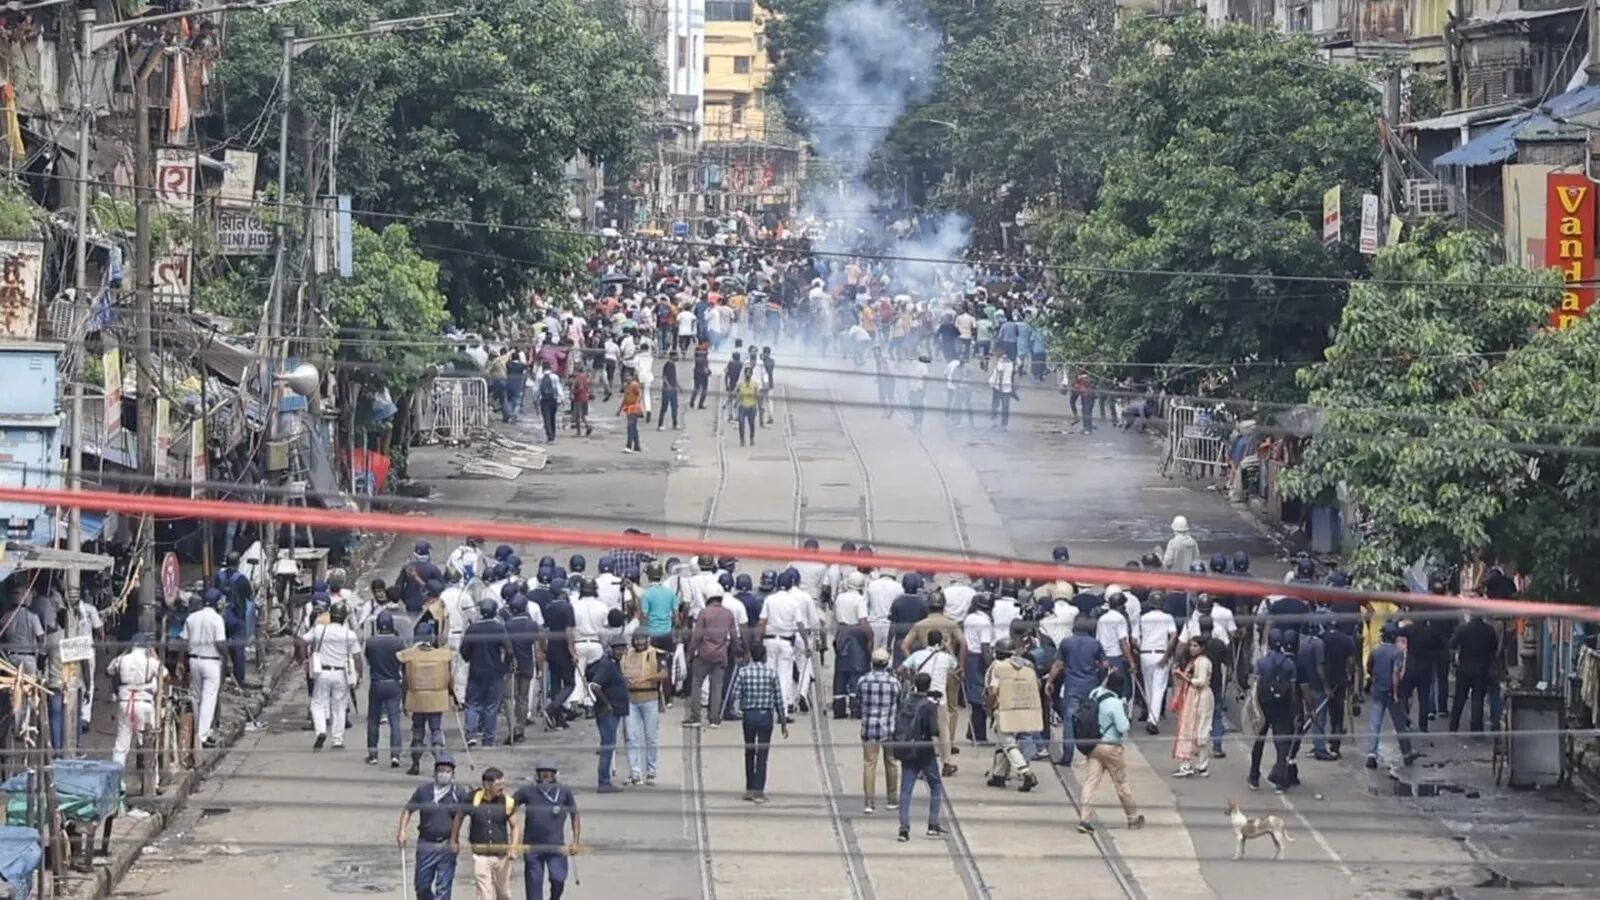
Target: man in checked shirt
point(880, 699)
point(630, 563)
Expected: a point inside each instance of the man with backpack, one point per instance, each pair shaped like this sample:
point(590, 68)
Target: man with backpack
point(493, 833)
point(1274, 698)
point(239, 615)
point(547, 387)
point(1098, 726)
point(916, 727)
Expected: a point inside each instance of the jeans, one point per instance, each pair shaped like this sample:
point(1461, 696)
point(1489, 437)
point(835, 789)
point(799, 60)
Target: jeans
point(1279, 721)
point(58, 715)
point(607, 723)
point(974, 688)
point(747, 416)
point(236, 655)
point(1000, 408)
point(547, 411)
point(697, 396)
point(535, 867)
point(427, 727)
point(436, 870)
point(927, 770)
point(757, 744)
point(1120, 664)
point(700, 670)
point(1070, 699)
point(484, 696)
point(1396, 710)
point(383, 702)
point(1088, 413)
point(513, 406)
point(669, 400)
point(521, 687)
point(1219, 710)
point(633, 431)
point(644, 736)
point(563, 677)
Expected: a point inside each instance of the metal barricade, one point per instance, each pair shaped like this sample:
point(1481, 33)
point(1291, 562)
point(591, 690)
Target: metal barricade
point(455, 410)
point(1194, 443)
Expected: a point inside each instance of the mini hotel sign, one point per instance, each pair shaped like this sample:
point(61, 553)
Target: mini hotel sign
point(1570, 243)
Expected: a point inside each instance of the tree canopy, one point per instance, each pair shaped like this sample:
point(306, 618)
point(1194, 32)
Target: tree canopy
point(469, 120)
point(1455, 423)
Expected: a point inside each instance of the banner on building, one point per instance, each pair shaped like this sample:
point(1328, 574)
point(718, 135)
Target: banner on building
point(240, 232)
point(1369, 224)
point(1332, 225)
point(1396, 226)
point(20, 264)
point(163, 436)
point(238, 179)
point(111, 368)
point(1569, 243)
point(197, 457)
point(173, 277)
point(175, 179)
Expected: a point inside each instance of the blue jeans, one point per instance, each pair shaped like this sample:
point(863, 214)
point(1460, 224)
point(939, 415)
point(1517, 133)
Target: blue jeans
point(1396, 711)
point(429, 726)
point(436, 870)
point(383, 702)
point(974, 688)
point(1219, 711)
point(644, 734)
point(58, 715)
point(513, 406)
point(1070, 699)
point(669, 400)
point(633, 431)
point(929, 772)
point(757, 744)
point(483, 707)
point(534, 868)
point(607, 724)
point(1120, 664)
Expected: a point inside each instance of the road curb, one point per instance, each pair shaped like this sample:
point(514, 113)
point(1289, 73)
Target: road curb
point(126, 849)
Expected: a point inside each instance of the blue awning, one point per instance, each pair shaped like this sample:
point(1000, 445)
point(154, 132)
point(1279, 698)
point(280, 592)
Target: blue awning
point(1499, 143)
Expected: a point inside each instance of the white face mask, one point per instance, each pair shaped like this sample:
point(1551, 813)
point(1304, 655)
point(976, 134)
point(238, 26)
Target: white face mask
point(443, 779)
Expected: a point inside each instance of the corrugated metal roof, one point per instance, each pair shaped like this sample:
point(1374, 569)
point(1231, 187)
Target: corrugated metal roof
point(1499, 143)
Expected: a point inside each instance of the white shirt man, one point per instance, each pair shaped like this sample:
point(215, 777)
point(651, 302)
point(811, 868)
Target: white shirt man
point(783, 616)
point(137, 674)
point(687, 325)
point(1157, 633)
point(697, 588)
point(978, 628)
point(1006, 611)
point(88, 624)
point(465, 559)
point(460, 610)
point(1058, 625)
point(1223, 625)
point(589, 616)
point(964, 325)
point(1111, 630)
point(881, 594)
point(333, 650)
point(849, 605)
point(958, 600)
point(937, 662)
point(205, 635)
point(812, 574)
point(608, 587)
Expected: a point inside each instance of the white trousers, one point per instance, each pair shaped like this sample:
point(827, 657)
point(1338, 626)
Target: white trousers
point(780, 656)
point(458, 669)
point(1155, 682)
point(805, 673)
point(86, 706)
point(330, 697)
point(132, 716)
point(880, 635)
point(586, 654)
point(205, 680)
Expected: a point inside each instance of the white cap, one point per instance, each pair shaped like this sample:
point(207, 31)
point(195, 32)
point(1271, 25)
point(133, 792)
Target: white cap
point(1180, 524)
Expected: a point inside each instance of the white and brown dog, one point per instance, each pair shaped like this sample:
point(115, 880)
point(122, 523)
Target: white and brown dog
point(1245, 828)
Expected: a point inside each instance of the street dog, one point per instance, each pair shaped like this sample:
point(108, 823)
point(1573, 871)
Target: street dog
point(1245, 828)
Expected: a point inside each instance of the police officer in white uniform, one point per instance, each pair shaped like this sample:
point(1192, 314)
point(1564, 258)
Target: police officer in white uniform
point(813, 575)
point(882, 591)
point(849, 606)
point(137, 674)
point(958, 596)
point(589, 630)
point(205, 638)
point(334, 650)
point(781, 629)
point(608, 585)
point(701, 585)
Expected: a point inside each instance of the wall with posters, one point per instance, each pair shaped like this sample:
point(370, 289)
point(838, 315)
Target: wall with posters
point(20, 265)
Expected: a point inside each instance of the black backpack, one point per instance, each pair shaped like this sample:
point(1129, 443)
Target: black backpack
point(547, 387)
point(1276, 687)
point(907, 739)
point(1086, 720)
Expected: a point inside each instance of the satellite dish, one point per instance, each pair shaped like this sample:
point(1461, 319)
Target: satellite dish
point(302, 379)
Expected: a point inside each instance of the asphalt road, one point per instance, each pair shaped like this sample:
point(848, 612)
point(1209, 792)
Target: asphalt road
point(280, 821)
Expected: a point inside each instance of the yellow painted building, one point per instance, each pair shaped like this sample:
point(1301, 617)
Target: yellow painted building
point(736, 71)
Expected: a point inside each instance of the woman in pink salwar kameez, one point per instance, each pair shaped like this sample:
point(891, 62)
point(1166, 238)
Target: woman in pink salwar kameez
point(1192, 747)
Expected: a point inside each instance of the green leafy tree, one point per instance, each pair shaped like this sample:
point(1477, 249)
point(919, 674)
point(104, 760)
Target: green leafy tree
point(1455, 425)
point(1221, 142)
point(392, 296)
point(473, 119)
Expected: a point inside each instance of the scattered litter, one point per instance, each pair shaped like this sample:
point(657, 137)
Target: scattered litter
point(492, 469)
point(137, 814)
point(534, 458)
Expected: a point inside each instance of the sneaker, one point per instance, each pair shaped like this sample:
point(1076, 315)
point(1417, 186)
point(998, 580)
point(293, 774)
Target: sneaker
point(394, 762)
point(1152, 728)
point(1279, 789)
point(893, 805)
point(1136, 823)
point(1183, 772)
point(320, 742)
point(372, 759)
point(1324, 757)
point(472, 742)
point(339, 745)
point(948, 770)
point(416, 769)
point(1410, 758)
point(690, 723)
point(934, 831)
point(761, 797)
point(905, 835)
point(869, 809)
point(1219, 753)
point(716, 725)
point(1086, 827)
point(1029, 782)
point(650, 779)
point(1253, 783)
point(1372, 762)
point(749, 796)
point(634, 779)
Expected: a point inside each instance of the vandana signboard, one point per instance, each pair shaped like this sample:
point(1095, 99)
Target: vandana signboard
point(1569, 243)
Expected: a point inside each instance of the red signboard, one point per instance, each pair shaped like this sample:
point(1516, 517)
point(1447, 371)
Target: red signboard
point(1569, 243)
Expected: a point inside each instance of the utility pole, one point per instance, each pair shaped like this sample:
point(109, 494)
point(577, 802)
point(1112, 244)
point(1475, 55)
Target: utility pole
point(80, 259)
point(1592, 68)
point(143, 174)
point(1391, 125)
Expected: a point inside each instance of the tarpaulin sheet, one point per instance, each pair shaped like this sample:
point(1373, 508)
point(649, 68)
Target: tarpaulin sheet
point(20, 856)
point(86, 790)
